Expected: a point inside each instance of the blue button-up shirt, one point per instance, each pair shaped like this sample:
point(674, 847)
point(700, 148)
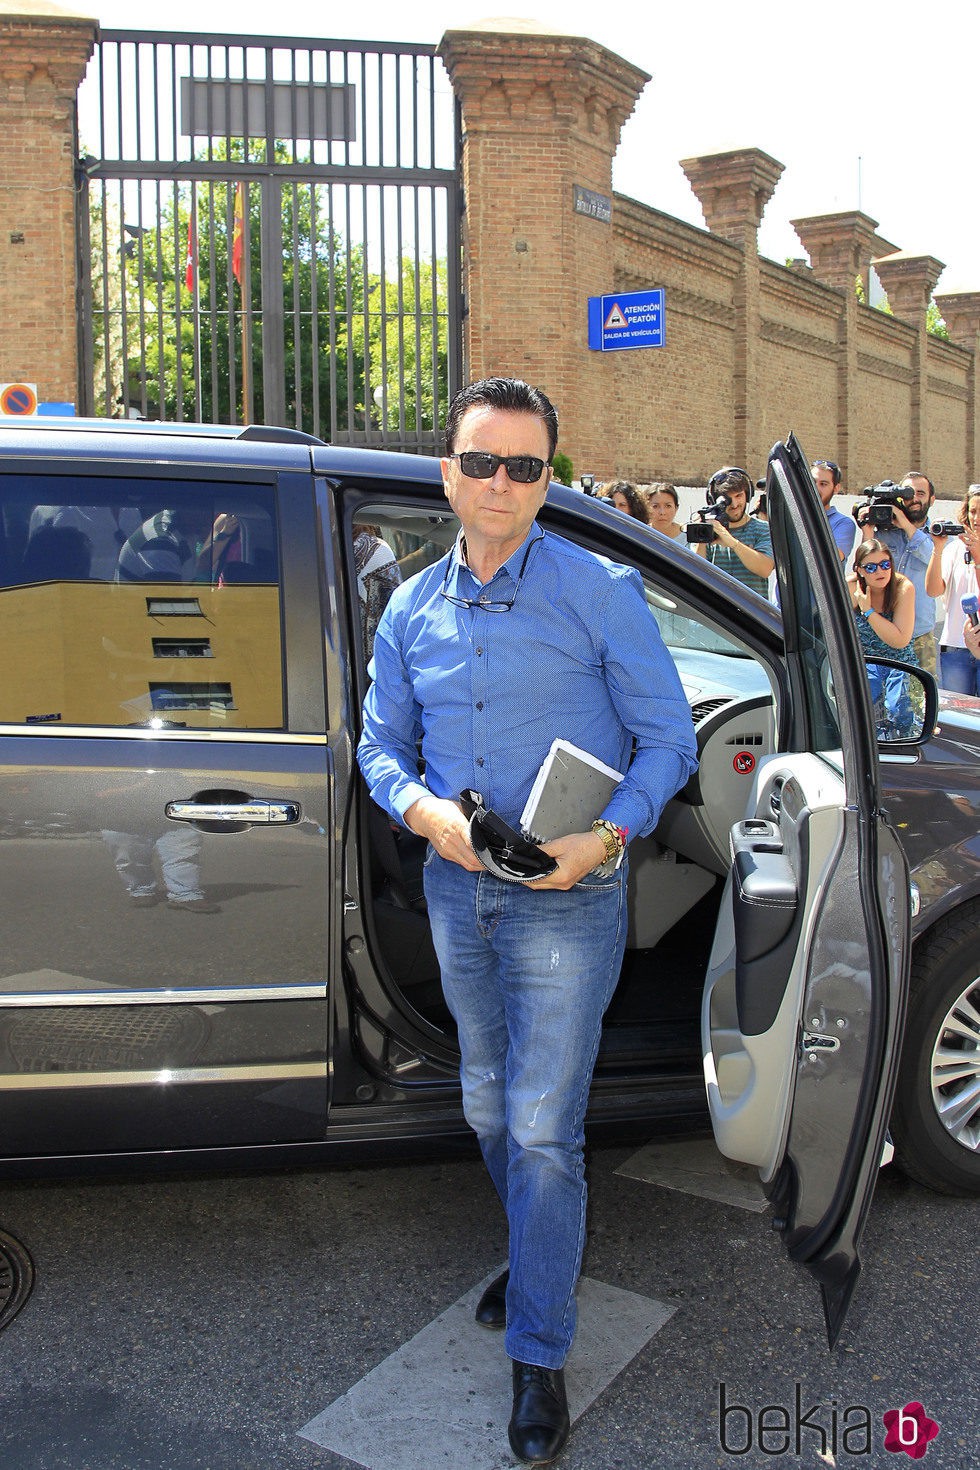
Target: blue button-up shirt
point(578, 657)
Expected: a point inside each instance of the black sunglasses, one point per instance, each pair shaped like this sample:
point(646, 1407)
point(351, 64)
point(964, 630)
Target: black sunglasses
point(503, 851)
point(734, 473)
point(523, 469)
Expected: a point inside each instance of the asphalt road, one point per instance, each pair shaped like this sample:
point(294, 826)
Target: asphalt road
point(200, 1323)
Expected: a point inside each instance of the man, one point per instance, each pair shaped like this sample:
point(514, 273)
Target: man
point(827, 477)
point(743, 548)
point(514, 638)
point(911, 548)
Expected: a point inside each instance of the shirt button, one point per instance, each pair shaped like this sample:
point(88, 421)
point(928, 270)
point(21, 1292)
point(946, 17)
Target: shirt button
point(480, 704)
point(479, 651)
point(479, 760)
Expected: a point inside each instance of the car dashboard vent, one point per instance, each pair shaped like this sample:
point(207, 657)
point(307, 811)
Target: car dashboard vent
point(705, 707)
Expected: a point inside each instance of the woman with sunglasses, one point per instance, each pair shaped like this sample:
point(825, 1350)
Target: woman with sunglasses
point(884, 608)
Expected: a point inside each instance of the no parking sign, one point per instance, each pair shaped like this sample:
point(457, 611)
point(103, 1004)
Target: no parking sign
point(18, 400)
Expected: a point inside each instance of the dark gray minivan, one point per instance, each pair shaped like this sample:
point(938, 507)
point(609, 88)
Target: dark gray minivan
point(215, 948)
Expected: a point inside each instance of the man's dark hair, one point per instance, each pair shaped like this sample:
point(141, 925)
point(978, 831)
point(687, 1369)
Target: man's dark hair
point(511, 394)
point(921, 475)
point(828, 464)
point(730, 477)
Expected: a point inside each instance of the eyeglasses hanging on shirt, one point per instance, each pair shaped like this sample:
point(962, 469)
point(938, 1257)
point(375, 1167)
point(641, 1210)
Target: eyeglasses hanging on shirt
point(483, 602)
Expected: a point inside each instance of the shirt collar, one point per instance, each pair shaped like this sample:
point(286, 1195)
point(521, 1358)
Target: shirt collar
point(508, 572)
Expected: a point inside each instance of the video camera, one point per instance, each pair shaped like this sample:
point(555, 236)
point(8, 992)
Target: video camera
point(879, 504)
point(701, 530)
point(947, 528)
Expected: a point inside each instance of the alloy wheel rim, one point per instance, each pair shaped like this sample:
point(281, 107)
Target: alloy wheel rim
point(955, 1069)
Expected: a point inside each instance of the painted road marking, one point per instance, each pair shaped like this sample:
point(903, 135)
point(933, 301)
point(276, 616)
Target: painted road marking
point(696, 1167)
point(444, 1397)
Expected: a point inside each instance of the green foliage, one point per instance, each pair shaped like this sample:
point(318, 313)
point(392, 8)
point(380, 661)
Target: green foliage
point(561, 467)
point(383, 336)
point(935, 323)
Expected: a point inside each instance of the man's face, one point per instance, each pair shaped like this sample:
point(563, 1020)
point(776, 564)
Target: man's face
point(824, 481)
point(496, 513)
point(919, 486)
point(737, 497)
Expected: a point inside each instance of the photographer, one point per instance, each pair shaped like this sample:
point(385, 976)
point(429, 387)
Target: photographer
point(911, 549)
point(741, 545)
point(954, 573)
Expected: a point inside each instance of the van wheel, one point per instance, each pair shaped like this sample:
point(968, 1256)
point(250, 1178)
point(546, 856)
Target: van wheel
point(936, 1116)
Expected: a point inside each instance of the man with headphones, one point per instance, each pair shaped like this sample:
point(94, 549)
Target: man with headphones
point(742, 546)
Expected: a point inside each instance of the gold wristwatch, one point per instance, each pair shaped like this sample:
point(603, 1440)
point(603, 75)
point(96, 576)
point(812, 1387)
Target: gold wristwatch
point(614, 841)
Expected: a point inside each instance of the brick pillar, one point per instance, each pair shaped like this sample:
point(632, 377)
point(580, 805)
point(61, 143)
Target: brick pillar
point(841, 248)
point(961, 313)
point(541, 114)
point(733, 190)
point(908, 282)
point(43, 54)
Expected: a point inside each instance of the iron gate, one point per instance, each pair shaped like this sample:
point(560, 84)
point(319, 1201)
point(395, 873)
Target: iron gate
point(269, 232)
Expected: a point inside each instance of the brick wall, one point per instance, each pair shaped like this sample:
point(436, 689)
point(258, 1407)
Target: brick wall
point(752, 348)
point(42, 61)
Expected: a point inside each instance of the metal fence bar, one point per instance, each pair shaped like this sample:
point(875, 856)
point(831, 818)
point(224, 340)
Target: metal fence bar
point(175, 123)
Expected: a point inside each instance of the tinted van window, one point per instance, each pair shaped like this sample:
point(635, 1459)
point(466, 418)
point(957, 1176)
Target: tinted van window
point(131, 600)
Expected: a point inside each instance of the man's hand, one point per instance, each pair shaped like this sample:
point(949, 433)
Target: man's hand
point(443, 824)
point(901, 520)
point(971, 637)
point(576, 855)
point(751, 558)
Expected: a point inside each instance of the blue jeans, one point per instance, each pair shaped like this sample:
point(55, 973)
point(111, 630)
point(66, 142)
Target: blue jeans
point(895, 715)
point(960, 671)
point(179, 853)
point(527, 977)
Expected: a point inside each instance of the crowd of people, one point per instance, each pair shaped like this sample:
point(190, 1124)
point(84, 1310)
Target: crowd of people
point(906, 573)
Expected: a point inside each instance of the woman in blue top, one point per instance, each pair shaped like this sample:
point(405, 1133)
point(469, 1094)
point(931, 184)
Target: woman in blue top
point(884, 609)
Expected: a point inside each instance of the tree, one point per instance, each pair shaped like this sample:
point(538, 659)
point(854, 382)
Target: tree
point(935, 323)
point(362, 349)
point(407, 322)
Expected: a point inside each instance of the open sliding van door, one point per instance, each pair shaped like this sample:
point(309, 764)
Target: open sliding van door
point(804, 1003)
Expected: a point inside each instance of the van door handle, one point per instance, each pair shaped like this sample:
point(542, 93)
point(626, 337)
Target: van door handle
point(253, 813)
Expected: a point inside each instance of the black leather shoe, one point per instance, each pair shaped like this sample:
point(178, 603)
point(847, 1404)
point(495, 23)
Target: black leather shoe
point(491, 1309)
point(539, 1424)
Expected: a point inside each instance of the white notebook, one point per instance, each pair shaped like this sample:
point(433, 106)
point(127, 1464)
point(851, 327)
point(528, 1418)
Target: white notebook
point(570, 791)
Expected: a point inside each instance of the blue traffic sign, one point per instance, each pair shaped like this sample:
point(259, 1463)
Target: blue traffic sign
point(629, 319)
